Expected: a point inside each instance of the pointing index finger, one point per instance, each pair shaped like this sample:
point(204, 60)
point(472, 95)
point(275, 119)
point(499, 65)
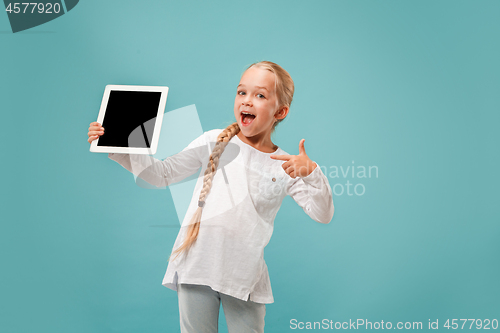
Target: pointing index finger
point(281, 157)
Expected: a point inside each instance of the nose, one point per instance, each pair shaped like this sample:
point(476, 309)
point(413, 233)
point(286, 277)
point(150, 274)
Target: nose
point(246, 102)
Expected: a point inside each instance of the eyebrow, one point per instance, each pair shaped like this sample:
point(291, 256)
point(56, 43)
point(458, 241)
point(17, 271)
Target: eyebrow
point(255, 86)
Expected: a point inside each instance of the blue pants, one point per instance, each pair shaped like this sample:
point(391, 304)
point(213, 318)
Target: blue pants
point(199, 311)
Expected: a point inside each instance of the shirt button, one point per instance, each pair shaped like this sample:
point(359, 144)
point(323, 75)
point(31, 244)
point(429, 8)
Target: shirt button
point(274, 179)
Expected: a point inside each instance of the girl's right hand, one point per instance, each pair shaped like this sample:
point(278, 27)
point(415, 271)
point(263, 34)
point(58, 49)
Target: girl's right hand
point(95, 131)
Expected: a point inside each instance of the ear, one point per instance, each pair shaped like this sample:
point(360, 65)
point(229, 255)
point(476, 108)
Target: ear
point(281, 113)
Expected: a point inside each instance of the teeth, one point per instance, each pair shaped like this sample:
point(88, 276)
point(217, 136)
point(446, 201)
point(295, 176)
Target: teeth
point(243, 112)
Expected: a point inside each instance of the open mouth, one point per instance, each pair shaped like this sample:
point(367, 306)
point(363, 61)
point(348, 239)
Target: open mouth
point(247, 118)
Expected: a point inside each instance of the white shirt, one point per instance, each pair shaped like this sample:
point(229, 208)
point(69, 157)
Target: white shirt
point(237, 219)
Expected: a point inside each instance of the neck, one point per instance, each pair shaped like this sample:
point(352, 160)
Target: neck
point(262, 143)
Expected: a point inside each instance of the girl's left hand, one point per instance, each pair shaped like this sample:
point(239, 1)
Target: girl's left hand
point(297, 165)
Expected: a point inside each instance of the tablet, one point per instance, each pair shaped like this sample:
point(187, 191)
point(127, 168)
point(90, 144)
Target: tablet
point(132, 118)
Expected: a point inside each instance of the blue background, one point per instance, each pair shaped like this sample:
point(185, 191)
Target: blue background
point(411, 87)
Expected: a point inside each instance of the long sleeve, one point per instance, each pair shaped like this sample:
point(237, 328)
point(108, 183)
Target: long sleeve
point(161, 173)
point(314, 194)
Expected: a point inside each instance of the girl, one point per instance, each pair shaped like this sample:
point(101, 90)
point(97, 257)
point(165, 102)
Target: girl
point(218, 256)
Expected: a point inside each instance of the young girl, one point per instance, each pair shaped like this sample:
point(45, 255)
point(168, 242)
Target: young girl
point(218, 256)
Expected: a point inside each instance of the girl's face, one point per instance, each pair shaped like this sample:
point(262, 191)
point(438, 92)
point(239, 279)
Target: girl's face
point(256, 95)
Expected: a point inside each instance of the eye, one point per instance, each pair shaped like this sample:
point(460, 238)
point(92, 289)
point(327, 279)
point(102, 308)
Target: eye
point(261, 95)
point(240, 92)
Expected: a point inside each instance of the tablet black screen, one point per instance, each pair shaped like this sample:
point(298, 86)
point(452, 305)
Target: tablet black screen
point(130, 112)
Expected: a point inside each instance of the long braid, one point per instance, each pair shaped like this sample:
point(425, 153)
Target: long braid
point(194, 224)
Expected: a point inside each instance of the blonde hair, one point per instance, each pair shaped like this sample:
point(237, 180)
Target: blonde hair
point(284, 89)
